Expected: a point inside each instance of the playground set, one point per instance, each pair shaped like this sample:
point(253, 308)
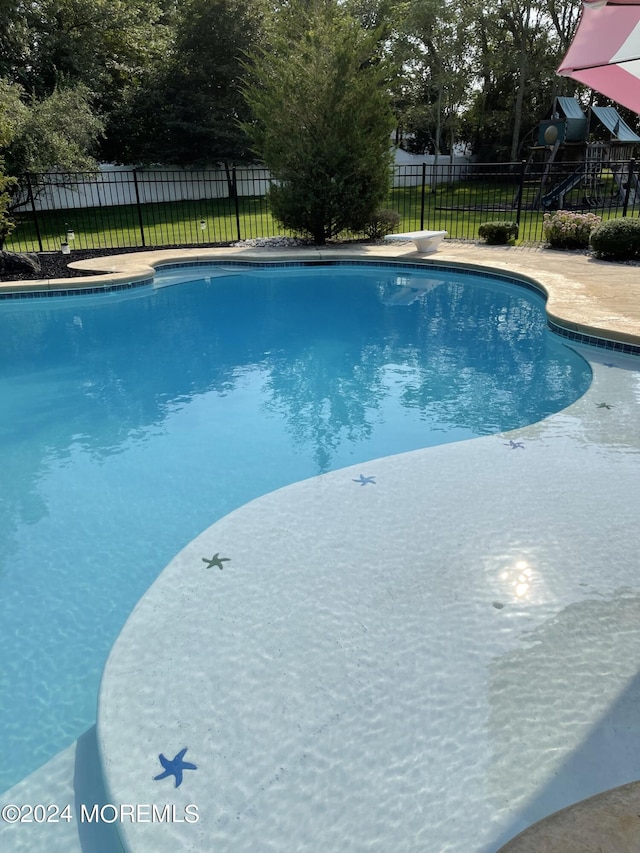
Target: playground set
point(582, 161)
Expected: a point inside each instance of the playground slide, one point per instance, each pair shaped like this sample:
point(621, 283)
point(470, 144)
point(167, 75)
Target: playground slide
point(562, 188)
point(620, 176)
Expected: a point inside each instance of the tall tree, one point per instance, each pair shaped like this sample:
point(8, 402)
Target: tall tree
point(58, 132)
point(322, 120)
point(480, 73)
point(519, 47)
point(100, 43)
point(437, 48)
point(188, 110)
point(16, 41)
point(104, 45)
point(564, 16)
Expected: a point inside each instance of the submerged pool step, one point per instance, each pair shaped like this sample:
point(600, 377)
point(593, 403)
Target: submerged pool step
point(72, 779)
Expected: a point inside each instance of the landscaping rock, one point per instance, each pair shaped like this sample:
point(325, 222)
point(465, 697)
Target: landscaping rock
point(273, 242)
point(16, 262)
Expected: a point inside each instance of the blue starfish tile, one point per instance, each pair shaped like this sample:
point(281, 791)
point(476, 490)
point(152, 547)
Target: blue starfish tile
point(364, 481)
point(216, 560)
point(174, 767)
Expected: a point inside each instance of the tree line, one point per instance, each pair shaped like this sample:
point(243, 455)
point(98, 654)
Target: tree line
point(203, 82)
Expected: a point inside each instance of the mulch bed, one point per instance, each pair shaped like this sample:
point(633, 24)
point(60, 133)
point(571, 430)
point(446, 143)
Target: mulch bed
point(54, 264)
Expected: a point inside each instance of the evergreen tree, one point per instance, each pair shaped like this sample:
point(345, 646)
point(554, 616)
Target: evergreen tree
point(322, 119)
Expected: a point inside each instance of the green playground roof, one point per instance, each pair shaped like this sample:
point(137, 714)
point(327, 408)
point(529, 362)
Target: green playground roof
point(615, 124)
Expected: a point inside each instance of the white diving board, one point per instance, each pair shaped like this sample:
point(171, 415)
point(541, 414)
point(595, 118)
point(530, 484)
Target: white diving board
point(426, 241)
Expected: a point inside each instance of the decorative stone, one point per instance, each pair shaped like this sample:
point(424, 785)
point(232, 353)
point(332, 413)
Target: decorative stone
point(19, 263)
point(273, 243)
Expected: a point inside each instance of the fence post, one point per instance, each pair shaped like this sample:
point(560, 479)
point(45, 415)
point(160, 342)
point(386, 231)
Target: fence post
point(139, 208)
point(235, 199)
point(33, 211)
point(523, 168)
point(424, 186)
point(627, 192)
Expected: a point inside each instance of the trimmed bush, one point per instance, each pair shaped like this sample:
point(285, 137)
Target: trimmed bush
point(566, 230)
point(617, 240)
point(382, 222)
point(498, 233)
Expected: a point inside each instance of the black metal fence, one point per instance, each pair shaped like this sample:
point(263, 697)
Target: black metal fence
point(127, 209)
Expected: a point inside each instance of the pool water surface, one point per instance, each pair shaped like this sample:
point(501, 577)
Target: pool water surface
point(132, 422)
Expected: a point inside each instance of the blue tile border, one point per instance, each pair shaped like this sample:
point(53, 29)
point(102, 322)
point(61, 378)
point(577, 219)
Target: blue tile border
point(75, 291)
point(592, 340)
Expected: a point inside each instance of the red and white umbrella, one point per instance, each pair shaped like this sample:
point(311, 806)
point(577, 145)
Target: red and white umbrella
point(605, 52)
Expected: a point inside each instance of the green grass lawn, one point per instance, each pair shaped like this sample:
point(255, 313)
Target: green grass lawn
point(161, 224)
point(462, 207)
point(458, 208)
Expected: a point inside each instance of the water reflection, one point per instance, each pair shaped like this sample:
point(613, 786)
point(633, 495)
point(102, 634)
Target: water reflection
point(340, 361)
point(334, 358)
point(477, 357)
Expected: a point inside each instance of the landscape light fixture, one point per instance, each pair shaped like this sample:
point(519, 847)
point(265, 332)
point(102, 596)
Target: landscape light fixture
point(65, 248)
point(203, 225)
point(71, 236)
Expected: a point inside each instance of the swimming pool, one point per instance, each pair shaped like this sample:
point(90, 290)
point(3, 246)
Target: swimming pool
point(133, 421)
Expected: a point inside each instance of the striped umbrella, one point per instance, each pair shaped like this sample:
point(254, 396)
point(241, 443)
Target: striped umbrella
point(605, 52)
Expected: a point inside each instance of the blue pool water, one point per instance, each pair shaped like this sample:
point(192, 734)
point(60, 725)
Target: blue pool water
point(130, 422)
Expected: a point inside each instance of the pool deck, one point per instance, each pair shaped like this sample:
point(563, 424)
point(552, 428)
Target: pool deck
point(300, 668)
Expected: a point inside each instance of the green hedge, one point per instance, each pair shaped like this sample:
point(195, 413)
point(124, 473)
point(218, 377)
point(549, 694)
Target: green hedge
point(383, 222)
point(498, 233)
point(617, 240)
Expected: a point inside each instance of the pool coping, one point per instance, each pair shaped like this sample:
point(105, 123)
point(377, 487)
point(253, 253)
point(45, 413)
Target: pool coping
point(582, 301)
point(605, 823)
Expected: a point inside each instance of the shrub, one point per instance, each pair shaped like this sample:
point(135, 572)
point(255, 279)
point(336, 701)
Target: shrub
point(566, 230)
point(498, 233)
point(382, 222)
point(617, 240)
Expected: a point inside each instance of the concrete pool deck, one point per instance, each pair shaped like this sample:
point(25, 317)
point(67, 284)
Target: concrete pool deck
point(335, 641)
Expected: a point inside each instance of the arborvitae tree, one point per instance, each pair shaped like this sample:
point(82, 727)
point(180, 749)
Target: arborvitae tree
point(322, 119)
